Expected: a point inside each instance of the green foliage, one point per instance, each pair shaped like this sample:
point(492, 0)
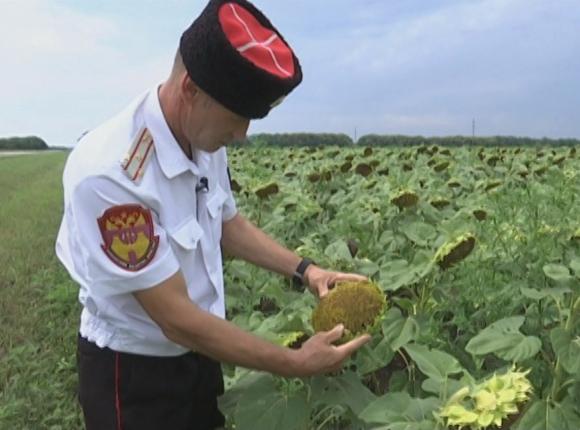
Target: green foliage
point(301, 139)
point(515, 296)
point(278, 405)
point(547, 415)
point(434, 364)
point(399, 411)
point(429, 144)
point(504, 339)
point(38, 302)
point(22, 143)
point(401, 140)
point(444, 328)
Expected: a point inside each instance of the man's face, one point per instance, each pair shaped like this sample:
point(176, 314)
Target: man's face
point(214, 125)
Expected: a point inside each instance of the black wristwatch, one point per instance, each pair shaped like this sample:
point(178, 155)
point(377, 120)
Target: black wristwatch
point(298, 278)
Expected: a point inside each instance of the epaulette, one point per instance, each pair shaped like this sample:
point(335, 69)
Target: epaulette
point(138, 156)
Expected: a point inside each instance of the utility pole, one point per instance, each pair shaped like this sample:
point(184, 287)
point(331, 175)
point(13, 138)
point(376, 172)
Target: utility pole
point(473, 128)
point(354, 140)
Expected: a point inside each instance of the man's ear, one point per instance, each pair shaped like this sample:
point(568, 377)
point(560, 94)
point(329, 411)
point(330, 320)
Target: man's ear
point(189, 90)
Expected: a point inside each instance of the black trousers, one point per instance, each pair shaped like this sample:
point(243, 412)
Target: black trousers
point(121, 391)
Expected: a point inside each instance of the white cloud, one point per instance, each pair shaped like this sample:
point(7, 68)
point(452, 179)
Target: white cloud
point(438, 34)
point(510, 63)
point(402, 66)
point(37, 28)
point(67, 70)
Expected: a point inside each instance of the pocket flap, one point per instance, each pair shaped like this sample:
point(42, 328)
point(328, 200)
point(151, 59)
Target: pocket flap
point(216, 201)
point(188, 234)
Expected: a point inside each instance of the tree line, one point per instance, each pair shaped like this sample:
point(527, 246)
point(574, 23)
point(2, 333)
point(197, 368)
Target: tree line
point(324, 139)
point(22, 143)
point(400, 140)
point(340, 139)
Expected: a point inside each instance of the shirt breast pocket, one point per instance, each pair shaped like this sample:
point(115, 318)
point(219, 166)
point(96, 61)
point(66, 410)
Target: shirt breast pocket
point(188, 234)
point(215, 206)
point(216, 202)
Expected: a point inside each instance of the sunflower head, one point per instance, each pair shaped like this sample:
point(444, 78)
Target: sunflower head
point(480, 214)
point(405, 199)
point(492, 185)
point(441, 166)
point(268, 190)
point(293, 339)
point(454, 183)
point(455, 250)
point(439, 202)
point(488, 403)
point(359, 306)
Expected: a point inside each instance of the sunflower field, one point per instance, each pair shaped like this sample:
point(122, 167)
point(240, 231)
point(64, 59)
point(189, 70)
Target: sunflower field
point(477, 251)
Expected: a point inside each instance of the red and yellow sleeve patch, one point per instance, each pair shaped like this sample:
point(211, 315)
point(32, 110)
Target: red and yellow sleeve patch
point(128, 235)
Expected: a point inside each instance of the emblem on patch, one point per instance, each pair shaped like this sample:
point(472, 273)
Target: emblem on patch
point(129, 239)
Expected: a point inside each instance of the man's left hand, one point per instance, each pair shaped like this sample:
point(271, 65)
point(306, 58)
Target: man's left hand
point(319, 281)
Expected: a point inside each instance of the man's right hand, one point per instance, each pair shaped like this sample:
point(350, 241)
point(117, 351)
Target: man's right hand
point(318, 355)
point(183, 322)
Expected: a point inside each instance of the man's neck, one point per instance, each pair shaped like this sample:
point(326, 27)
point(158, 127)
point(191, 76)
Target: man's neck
point(170, 113)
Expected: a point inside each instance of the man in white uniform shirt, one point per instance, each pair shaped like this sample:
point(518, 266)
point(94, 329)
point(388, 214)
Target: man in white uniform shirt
point(148, 206)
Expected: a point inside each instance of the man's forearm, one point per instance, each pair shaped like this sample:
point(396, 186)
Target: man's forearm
point(185, 323)
point(225, 342)
point(244, 240)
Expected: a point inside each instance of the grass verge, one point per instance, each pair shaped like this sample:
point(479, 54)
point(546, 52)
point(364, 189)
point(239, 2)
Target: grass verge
point(38, 303)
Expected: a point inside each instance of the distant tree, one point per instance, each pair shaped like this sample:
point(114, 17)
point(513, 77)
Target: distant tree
point(326, 139)
point(398, 140)
point(301, 139)
point(23, 143)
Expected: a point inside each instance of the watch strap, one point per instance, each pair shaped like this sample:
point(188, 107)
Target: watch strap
point(298, 278)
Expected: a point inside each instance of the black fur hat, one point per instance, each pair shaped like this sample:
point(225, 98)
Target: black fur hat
point(233, 53)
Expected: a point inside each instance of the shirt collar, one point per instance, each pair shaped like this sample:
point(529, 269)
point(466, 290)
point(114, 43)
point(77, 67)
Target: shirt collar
point(171, 157)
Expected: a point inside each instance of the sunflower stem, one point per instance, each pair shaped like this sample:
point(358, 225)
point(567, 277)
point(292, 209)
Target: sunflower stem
point(558, 371)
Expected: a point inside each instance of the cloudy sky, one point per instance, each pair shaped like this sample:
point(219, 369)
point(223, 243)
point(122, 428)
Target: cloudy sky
point(380, 66)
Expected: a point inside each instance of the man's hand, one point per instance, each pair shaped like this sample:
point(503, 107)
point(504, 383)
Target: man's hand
point(244, 240)
point(319, 281)
point(318, 355)
point(183, 322)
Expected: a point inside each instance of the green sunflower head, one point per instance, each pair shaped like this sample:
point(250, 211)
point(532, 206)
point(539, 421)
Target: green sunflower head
point(488, 403)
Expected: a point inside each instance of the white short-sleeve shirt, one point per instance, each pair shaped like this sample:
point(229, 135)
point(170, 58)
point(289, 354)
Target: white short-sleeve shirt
point(120, 234)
